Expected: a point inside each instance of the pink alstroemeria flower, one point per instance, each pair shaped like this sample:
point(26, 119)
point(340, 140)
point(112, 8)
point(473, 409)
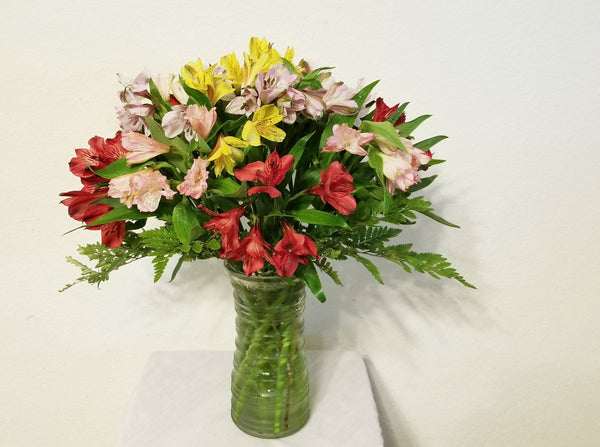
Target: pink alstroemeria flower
point(142, 148)
point(194, 120)
point(338, 98)
point(290, 103)
point(136, 104)
point(313, 103)
point(143, 189)
point(274, 83)
point(245, 104)
point(194, 183)
point(346, 139)
point(401, 168)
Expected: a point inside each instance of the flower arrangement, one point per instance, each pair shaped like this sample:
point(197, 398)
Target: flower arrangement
point(267, 163)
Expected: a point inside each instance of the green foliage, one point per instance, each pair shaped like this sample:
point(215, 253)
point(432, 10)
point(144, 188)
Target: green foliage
point(105, 260)
point(363, 233)
point(434, 264)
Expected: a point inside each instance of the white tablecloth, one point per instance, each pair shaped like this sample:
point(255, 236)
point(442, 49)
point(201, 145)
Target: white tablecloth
point(183, 398)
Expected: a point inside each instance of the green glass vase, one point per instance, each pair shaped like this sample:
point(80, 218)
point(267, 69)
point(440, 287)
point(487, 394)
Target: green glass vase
point(269, 382)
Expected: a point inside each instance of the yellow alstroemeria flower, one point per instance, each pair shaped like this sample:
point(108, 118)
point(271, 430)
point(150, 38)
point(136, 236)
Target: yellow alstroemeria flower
point(194, 75)
point(262, 57)
point(263, 125)
point(227, 154)
point(234, 71)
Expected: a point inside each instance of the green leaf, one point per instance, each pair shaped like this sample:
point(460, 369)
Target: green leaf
point(430, 142)
point(289, 65)
point(361, 96)
point(157, 100)
point(372, 268)
point(437, 218)
point(158, 134)
point(120, 213)
point(225, 186)
point(184, 219)
point(312, 79)
point(309, 275)
point(118, 168)
point(318, 218)
point(176, 269)
point(196, 97)
point(376, 162)
point(385, 130)
point(394, 116)
point(406, 129)
point(298, 150)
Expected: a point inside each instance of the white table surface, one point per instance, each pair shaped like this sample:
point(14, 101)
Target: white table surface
point(183, 400)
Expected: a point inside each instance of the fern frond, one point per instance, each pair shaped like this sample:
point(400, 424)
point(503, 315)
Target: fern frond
point(325, 266)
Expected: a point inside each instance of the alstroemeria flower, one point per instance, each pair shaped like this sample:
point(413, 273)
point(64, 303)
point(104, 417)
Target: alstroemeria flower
point(112, 233)
point(291, 250)
point(194, 184)
point(383, 112)
point(252, 250)
point(262, 57)
point(193, 120)
point(245, 104)
point(345, 138)
point(270, 172)
point(82, 208)
point(290, 103)
point(170, 87)
point(142, 148)
point(313, 103)
point(263, 125)
point(335, 188)
point(338, 98)
point(228, 225)
point(401, 168)
point(136, 104)
point(100, 154)
point(143, 189)
point(227, 154)
point(274, 83)
point(196, 77)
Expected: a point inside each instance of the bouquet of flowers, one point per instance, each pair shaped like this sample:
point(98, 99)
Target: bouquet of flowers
point(266, 162)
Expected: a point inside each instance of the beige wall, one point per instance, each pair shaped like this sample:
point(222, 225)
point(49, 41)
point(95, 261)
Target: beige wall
point(514, 85)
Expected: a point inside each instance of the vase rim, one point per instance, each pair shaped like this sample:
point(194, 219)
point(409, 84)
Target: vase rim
point(265, 278)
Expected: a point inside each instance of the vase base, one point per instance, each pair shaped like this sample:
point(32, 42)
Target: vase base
point(267, 434)
point(182, 400)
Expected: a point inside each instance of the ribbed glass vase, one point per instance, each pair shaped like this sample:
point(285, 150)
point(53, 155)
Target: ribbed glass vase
point(269, 382)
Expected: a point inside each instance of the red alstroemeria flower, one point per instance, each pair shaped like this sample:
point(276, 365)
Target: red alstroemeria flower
point(270, 172)
point(112, 233)
point(228, 224)
point(292, 249)
point(252, 250)
point(383, 112)
point(100, 154)
point(82, 208)
point(335, 188)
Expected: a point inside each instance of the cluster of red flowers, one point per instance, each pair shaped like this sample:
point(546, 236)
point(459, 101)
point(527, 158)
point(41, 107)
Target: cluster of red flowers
point(253, 250)
point(334, 188)
point(81, 204)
